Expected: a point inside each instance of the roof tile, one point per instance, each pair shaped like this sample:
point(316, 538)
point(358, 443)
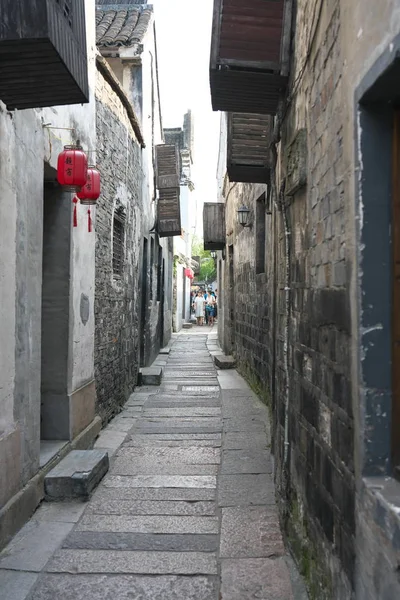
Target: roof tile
point(123, 27)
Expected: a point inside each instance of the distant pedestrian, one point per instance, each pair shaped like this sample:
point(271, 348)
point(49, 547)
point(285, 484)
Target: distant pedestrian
point(210, 303)
point(198, 306)
point(205, 294)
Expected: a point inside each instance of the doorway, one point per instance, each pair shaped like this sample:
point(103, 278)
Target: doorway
point(231, 297)
point(144, 302)
point(54, 413)
point(184, 295)
point(162, 305)
point(395, 459)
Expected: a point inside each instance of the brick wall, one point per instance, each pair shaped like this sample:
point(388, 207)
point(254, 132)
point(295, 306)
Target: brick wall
point(318, 494)
point(117, 299)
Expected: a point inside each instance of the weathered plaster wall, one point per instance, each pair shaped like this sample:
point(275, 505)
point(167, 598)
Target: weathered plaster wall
point(158, 323)
point(182, 251)
point(27, 147)
point(8, 217)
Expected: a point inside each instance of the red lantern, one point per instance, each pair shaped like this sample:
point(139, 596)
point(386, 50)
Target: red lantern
point(91, 190)
point(72, 168)
point(189, 273)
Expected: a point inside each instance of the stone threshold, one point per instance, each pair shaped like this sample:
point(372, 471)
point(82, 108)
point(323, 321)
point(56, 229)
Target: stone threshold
point(16, 512)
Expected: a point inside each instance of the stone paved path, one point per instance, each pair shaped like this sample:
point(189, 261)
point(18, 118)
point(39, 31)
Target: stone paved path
point(187, 510)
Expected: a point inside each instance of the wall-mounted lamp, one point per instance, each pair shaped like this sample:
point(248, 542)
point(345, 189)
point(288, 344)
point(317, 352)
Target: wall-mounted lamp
point(243, 216)
point(213, 254)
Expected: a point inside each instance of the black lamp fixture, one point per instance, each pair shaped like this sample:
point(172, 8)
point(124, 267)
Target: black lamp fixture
point(243, 216)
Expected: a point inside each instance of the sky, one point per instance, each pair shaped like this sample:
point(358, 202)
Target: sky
point(183, 36)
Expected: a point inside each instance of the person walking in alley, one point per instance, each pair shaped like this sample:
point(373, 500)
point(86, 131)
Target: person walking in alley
point(210, 304)
point(205, 295)
point(198, 306)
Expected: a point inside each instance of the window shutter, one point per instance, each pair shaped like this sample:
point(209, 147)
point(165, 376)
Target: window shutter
point(167, 176)
point(167, 166)
point(214, 225)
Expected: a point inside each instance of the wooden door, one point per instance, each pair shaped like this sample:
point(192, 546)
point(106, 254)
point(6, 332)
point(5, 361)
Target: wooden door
point(396, 297)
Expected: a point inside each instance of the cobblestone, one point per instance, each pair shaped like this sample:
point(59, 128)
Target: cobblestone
point(186, 512)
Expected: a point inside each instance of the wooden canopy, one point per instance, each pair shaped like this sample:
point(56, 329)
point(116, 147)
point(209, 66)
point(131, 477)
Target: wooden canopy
point(43, 60)
point(249, 54)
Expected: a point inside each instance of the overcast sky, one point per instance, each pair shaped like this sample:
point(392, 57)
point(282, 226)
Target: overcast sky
point(183, 35)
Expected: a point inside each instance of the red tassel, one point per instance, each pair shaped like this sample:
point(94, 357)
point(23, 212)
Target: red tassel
point(75, 218)
point(89, 221)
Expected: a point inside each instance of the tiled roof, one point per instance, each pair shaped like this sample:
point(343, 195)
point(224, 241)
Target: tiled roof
point(122, 3)
point(122, 26)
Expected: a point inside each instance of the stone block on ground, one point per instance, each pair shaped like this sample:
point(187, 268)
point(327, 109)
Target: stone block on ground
point(256, 578)
point(150, 376)
point(126, 587)
point(76, 475)
point(224, 362)
point(187, 326)
point(165, 350)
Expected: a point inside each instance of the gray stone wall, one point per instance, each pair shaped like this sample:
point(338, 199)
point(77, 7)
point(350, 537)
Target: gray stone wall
point(317, 487)
point(117, 298)
point(321, 478)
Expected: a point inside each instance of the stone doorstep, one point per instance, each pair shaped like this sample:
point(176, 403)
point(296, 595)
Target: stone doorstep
point(76, 475)
point(224, 362)
point(150, 376)
point(20, 507)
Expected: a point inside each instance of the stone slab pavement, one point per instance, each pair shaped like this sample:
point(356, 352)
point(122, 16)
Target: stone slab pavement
point(187, 510)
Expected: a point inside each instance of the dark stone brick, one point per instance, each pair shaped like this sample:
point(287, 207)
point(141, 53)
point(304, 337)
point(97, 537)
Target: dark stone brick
point(343, 441)
point(327, 475)
point(331, 307)
point(141, 541)
point(118, 298)
point(309, 407)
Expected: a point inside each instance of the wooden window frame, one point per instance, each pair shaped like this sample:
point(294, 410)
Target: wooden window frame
point(118, 243)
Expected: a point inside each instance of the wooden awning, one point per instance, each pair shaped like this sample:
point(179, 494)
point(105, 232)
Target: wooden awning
point(249, 54)
point(249, 141)
point(43, 60)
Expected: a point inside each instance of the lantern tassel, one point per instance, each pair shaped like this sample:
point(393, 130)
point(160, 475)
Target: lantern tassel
point(89, 221)
point(75, 217)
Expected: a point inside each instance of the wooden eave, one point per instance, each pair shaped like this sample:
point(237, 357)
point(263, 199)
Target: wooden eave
point(249, 54)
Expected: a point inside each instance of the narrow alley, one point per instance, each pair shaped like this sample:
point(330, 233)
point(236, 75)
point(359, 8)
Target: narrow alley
point(187, 510)
point(200, 300)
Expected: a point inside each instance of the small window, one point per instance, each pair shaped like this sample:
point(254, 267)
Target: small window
point(118, 242)
point(260, 234)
